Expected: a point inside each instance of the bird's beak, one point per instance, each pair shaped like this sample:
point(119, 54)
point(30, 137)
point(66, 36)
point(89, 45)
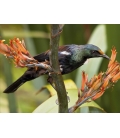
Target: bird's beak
point(103, 55)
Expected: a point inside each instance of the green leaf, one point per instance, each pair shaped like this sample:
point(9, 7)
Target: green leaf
point(92, 104)
point(22, 34)
point(50, 106)
point(69, 84)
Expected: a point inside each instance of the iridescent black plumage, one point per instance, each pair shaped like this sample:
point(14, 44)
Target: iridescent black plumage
point(70, 58)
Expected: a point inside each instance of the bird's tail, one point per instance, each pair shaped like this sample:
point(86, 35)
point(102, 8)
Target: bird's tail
point(15, 85)
point(30, 74)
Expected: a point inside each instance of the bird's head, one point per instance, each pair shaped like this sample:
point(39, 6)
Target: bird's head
point(92, 51)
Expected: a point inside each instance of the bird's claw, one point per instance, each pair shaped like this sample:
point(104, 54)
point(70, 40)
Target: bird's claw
point(61, 69)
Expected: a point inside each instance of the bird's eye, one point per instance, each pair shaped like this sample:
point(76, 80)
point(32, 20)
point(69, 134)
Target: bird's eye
point(93, 51)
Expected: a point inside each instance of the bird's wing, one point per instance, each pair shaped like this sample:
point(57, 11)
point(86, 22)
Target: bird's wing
point(63, 50)
point(42, 57)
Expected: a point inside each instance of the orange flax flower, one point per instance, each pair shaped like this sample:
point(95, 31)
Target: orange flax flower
point(17, 51)
point(20, 46)
point(99, 94)
point(96, 87)
point(5, 49)
point(113, 56)
point(84, 80)
point(116, 77)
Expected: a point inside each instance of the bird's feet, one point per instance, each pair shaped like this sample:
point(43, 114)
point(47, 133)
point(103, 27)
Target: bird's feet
point(61, 69)
point(58, 73)
point(57, 101)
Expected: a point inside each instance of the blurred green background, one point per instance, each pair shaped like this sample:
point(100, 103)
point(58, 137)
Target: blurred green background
point(36, 38)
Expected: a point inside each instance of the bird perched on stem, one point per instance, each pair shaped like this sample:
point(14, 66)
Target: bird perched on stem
point(70, 58)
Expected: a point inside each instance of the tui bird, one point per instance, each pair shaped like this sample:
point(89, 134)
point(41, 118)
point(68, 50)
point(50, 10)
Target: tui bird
point(70, 58)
